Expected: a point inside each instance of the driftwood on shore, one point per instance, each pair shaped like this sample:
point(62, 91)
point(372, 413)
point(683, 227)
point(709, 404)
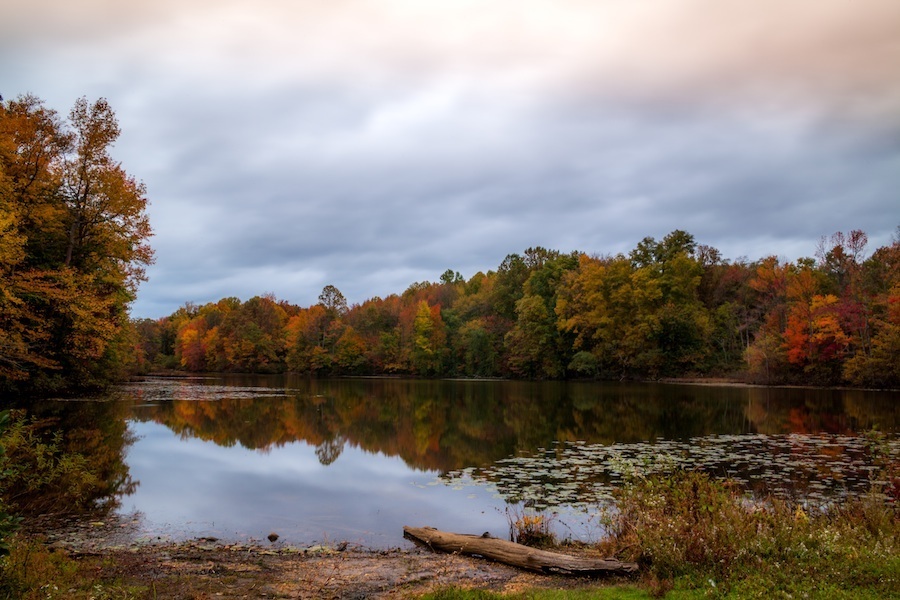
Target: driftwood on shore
point(516, 555)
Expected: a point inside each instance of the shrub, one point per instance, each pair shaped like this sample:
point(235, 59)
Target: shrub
point(8, 523)
point(39, 478)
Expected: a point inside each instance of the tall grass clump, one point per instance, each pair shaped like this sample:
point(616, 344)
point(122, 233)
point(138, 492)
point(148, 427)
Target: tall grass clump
point(531, 528)
point(689, 530)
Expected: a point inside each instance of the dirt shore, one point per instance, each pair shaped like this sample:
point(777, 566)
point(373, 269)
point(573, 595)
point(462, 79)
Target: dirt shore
point(207, 568)
point(201, 570)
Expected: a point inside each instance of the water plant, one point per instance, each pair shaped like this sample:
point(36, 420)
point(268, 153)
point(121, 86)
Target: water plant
point(816, 470)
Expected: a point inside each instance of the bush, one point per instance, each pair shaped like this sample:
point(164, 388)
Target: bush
point(39, 478)
point(8, 523)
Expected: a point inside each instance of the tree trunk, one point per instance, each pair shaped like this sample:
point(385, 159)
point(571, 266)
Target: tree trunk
point(516, 555)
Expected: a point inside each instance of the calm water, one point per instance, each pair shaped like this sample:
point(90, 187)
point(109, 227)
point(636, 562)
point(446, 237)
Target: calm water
point(236, 457)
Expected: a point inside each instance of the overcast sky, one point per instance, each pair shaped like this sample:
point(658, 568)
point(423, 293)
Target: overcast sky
point(370, 144)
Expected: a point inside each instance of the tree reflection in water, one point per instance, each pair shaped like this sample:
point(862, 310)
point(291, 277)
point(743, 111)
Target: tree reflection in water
point(357, 431)
point(447, 425)
point(95, 428)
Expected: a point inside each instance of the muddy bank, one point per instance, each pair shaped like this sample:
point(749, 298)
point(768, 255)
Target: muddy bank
point(210, 568)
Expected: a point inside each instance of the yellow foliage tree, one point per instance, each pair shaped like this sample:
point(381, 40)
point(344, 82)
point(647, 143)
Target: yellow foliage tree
point(73, 250)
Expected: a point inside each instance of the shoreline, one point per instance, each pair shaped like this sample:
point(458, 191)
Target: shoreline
point(208, 567)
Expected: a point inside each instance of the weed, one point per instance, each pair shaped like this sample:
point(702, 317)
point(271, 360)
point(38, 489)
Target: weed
point(531, 529)
point(688, 530)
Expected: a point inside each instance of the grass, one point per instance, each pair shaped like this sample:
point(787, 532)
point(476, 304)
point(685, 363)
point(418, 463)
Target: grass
point(531, 528)
point(692, 532)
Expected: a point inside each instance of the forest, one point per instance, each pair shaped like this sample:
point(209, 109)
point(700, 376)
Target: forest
point(670, 308)
point(74, 246)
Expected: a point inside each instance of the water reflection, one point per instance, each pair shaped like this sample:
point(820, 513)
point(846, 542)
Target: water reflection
point(356, 459)
point(447, 425)
point(96, 429)
point(198, 488)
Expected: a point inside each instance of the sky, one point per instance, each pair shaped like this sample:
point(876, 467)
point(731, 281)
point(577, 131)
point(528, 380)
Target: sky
point(371, 144)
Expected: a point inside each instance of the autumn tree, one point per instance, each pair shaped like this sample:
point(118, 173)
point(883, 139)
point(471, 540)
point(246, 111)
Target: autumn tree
point(253, 336)
point(318, 335)
point(304, 341)
point(668, 308)
point(876, 364)
point(429, 342)
point(74, 250)
point(598, 303)
point(333, 301)
point(766, 356)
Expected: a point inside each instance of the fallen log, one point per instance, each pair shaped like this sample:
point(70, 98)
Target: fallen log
point(517, 555)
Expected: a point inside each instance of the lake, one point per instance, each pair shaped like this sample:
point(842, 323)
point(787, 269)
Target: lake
point(325, 461)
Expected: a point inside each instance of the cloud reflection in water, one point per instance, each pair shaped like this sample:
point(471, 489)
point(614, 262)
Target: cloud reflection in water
point(190, 488)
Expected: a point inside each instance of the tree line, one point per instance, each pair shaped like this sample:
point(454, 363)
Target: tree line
point(669, 308)
point(73, 247)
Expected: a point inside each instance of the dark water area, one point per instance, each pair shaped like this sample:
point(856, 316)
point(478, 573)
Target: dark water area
point(317, 461)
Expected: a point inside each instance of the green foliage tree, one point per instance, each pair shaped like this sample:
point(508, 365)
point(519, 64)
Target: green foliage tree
point(536, 346)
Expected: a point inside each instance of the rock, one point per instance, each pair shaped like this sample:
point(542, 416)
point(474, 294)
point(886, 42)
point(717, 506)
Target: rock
point(273, 536)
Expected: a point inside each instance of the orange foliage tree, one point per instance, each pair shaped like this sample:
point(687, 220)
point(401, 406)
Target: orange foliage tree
point(73, 251)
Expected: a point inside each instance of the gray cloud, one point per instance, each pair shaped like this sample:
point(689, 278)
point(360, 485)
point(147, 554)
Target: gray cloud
point(369, 145)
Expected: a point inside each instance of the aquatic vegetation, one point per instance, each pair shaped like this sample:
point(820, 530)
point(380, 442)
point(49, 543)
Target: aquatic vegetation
point(815, 470)
point(162, 389)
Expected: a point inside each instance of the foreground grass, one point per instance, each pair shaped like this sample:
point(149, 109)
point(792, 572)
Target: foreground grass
point(690, 532)
point(694, 538)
